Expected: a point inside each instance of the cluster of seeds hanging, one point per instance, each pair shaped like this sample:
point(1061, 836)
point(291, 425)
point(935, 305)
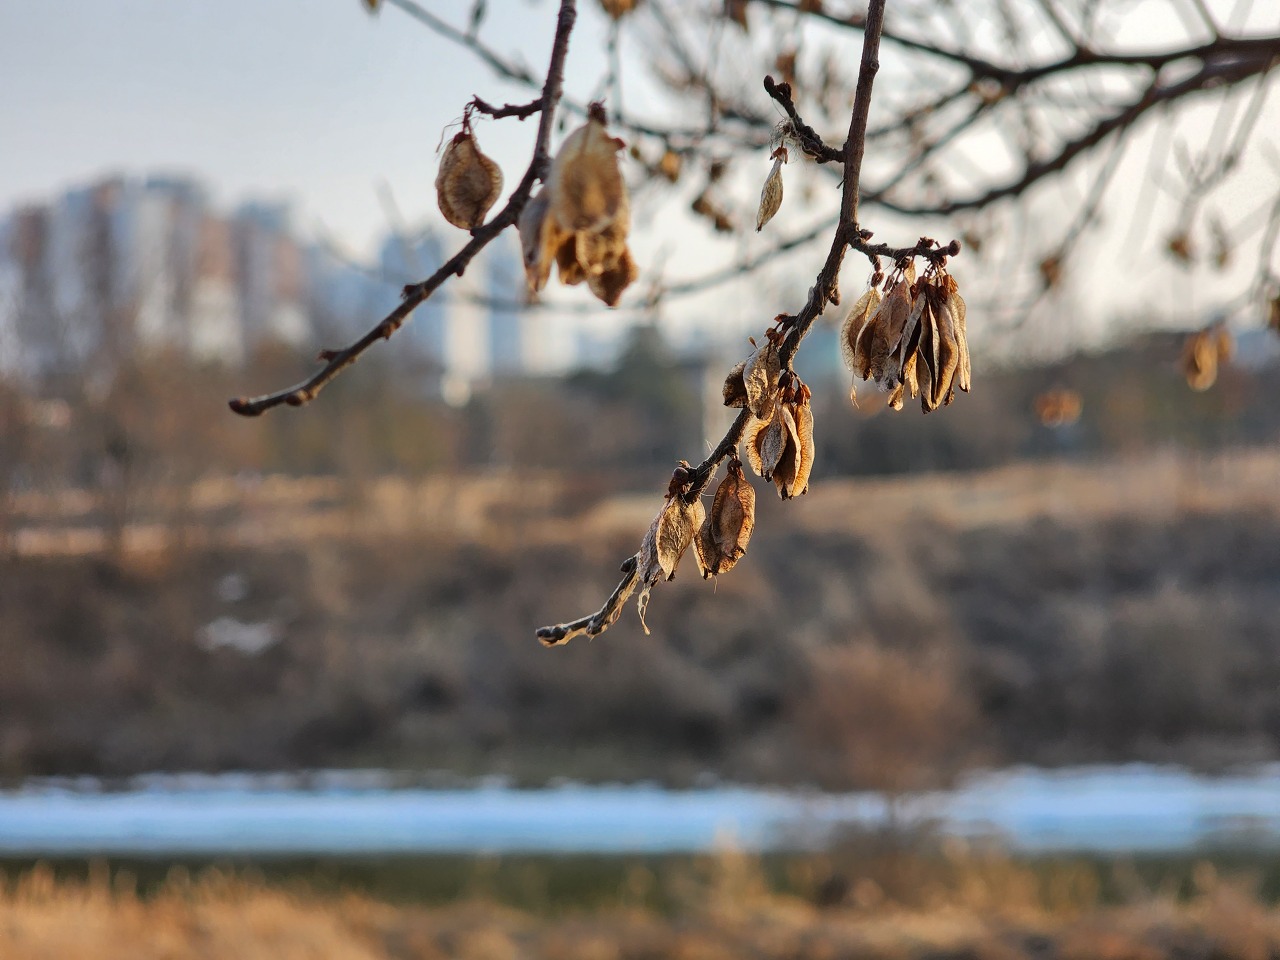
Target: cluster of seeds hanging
point(579, 221)
point(911, 338)
point(719, 539)
point(779, 437)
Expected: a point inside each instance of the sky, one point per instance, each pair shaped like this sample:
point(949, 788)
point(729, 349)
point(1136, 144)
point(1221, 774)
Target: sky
point(321, 104)
point(310, 100)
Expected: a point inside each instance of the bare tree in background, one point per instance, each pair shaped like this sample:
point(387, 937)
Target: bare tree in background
point(982, 107)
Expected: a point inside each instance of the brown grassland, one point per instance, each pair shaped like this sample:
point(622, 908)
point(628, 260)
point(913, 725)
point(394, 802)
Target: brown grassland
point(725, 907)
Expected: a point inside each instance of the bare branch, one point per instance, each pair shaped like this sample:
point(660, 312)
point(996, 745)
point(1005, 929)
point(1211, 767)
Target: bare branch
point(415, 294)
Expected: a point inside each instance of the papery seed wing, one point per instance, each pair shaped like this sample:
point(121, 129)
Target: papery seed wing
point(733, 512)
point(788, 465)
point(912, 365)
point(772, 442)
point(752, 438)
point(586, 186)
point(892, 320)
point(735, 390)
point(958, 311)
point(854, 322)
point(804, 431)
point(948, 352)
point(770, 195)
point(706, 550)
point(676, 527)
point(930, 346)
point(761, 380)
point(533, 220)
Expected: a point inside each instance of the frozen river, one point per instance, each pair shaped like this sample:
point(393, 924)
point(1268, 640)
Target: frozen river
point(1104, 809)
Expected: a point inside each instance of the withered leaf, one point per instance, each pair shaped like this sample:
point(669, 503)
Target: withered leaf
point(760, 377)
point(467, 184)
point(735, 390)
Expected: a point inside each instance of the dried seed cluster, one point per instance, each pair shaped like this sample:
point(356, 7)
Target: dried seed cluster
point(1203, 353)
point(468, 183)
point(579, 221)
point(911, 339)
point(779, 437)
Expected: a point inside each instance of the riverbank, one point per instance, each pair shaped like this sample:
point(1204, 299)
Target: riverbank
point(886, 633)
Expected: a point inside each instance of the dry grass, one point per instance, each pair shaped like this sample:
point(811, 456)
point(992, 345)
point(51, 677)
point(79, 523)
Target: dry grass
point(728, 912)
point(546, 507)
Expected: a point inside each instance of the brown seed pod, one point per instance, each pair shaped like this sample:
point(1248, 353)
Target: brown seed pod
point(958, 310)
point(468, 183)
point(676, 526)
point(770, 195)
point(733, 516)
point(735, 390)
point(803, 415)
point(787, 469)
point(764, 441)
point(948, 352)
point(761, 380)
point(889, 324)
point(854, 323)
point(585, 184)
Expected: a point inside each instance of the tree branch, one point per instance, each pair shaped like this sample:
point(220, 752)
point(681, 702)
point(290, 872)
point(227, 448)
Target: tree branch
point(416, 293)
point(695, 480)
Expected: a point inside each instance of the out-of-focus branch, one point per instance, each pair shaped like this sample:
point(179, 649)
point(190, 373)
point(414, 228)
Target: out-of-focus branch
point(416, 293)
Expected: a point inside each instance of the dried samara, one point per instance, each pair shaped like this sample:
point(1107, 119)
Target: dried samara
point(671, 533)
point(468, 183)
point(722, 538)
point(580, 220)
point(912, 340)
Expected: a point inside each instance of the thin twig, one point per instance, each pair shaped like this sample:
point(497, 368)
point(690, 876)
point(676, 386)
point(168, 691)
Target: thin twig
point(416, 293)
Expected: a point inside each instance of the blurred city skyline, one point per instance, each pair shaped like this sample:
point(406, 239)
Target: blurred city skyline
point(338, 114)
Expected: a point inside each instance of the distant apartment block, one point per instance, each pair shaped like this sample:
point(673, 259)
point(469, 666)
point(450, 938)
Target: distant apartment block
point(126, 265)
